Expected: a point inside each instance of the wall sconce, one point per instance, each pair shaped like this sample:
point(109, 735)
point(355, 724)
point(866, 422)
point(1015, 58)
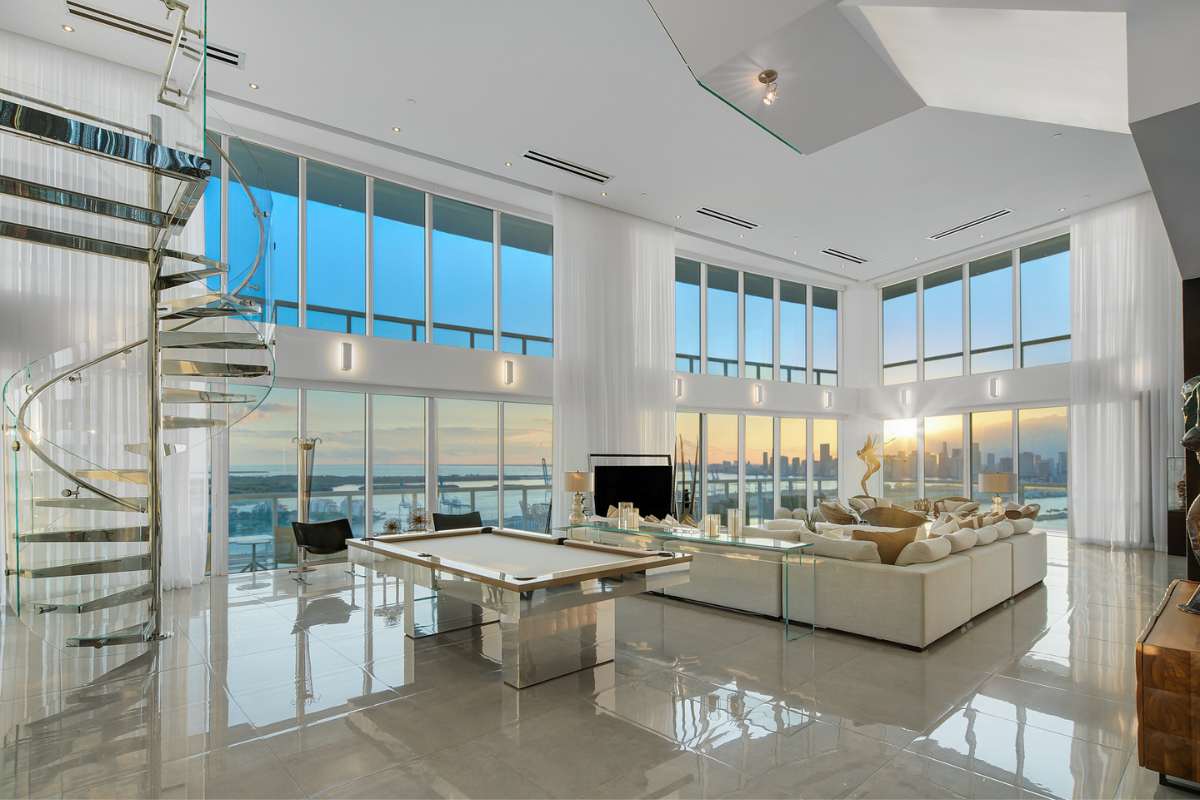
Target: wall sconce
point(757, 394)
point(678, 388)
point(826, 398)
point(906, 397)
point(510, 372)
point(993, 387)
point(347, 356)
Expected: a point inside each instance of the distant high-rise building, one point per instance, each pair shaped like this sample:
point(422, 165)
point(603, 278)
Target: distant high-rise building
point(766, 461)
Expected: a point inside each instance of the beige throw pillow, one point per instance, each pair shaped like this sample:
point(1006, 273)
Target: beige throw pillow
point(944, 528)
point(1021, 525)
point(1004, 529)
point(890, 543)
point(925, 551)
point(844, 549)
point(987, 534)
point(961, 540)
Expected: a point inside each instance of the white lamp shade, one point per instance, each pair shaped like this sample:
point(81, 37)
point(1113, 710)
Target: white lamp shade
point(579, 481)
point(996, 482)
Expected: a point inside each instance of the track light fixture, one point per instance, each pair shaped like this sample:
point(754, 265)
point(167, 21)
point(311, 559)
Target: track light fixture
point(769, 78)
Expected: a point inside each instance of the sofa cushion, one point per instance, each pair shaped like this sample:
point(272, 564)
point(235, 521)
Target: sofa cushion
point(890, 543)
point(844, 549)
point(961, 540)
point(1021, 525)
point(1004, 529)
point(924, 551)
point(943, 528)
point(987, 534)
point(785, 525)
point(834, 511)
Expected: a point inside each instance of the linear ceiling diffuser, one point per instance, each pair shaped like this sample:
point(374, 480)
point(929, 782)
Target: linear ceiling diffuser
point(578, 170)
point(723, 217)
point(215, 52)
point(853, 259)
point(960, 228)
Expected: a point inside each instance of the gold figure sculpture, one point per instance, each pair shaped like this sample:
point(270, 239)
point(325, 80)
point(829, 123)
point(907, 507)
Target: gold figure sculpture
point(869, 455)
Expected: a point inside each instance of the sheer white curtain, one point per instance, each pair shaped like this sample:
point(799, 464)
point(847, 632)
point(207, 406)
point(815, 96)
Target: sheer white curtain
point(614, 336)
point(77, 306)
point(1126, 368)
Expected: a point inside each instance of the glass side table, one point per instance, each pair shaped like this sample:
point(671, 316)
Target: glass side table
point(790, 556)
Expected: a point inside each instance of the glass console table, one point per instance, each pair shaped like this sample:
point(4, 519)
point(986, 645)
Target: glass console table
point(788, 553)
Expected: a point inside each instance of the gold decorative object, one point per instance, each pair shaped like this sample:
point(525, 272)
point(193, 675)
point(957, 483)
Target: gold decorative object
point(869, 455)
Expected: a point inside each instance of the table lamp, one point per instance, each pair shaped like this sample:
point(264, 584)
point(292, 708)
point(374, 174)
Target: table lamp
point(996, 484)
point(578, 482)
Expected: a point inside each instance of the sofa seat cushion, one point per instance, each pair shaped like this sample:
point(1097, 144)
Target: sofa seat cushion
point(924, 551)
point(1029, 560)
point(839, 548)
point(991, 575)
point(890, 543)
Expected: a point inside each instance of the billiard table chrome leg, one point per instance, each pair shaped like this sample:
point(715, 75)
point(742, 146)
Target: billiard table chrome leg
point(538, 647)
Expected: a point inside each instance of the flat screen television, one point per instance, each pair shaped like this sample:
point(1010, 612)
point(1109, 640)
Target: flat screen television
point(648, 487)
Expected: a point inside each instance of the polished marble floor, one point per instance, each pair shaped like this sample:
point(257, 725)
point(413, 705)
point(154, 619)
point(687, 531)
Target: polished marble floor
point(270, 690)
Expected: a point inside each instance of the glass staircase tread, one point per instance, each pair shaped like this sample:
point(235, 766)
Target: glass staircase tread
point(171, 394)
point(213, 340)
point(212, 369)
point(183, 278)
point(82, 201)
point(182, 423)
point(134, 634)
point(139, 476)
point(72, 241)
point(73, 605)
point(130, 533)
point(73, 134)
point(91, 503)
point(101, 566)
point(143, 449)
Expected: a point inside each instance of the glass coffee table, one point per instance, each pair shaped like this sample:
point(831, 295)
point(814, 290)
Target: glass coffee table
point(789, 554)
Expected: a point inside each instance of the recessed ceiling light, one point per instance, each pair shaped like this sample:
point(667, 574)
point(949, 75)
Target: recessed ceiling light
point(68, 28)
point(678, 217)
point(604, 194)
point(508, 163)
point(254, 86)
point(769, 78)
point(915, 259)
point(1058, 135)
point(981, 236)
point(794, 252)
point(395, 129)
point(1062, 209)
point(741, 236)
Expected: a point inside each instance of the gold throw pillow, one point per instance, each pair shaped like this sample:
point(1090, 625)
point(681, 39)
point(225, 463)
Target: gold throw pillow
point(889, 543)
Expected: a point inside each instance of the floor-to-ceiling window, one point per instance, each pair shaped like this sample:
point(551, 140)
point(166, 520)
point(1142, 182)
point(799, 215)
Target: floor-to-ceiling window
point(793, 462)
point(825, 460)
point(526, 286)
point(274, 179)
point(943, 456)
point(898, 474)
point(398, 268)
point(991, 313)
point(687, 315)
point(722, 334)
point(758, 295)
point(793, 331)
point(760, 469)
point(991, 452)
point(528, 444)
point(339, 481)
point(462, 274)
point(721, 445)
point(825, 336)
point(688, 461)
point(900, 332)
point(1042, 463)
point(467, 458)
point(262, 481)
point(942, 301)
point(335, 249)
point(1046, 302)
point(397, 459)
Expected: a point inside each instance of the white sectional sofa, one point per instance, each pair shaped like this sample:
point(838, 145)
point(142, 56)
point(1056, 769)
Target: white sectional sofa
point(911, 605)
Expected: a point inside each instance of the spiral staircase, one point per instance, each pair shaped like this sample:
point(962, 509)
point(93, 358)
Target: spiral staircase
point(84, 479)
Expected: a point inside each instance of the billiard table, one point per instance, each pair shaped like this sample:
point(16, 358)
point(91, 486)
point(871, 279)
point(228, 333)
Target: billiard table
point(553, 597)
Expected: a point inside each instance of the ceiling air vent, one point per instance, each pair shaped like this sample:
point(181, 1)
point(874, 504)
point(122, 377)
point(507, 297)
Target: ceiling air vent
point(723, 217)
point(853, 259)
point(215, 52)
point(960, 228)
point(568, 166)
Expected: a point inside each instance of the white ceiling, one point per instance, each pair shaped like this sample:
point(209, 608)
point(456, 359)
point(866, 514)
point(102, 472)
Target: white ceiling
point(1064, 67)
point(479, 82)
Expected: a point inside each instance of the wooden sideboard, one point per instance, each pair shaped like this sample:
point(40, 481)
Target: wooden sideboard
point(1168, 688)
